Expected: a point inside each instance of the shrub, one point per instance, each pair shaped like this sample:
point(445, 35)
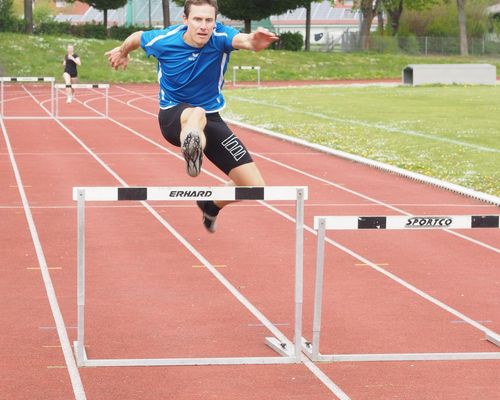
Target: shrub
point(292, 41)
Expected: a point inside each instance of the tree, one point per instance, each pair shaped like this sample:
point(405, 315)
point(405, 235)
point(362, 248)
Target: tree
point(104, 6)
point(165, 4)
point(462, 23)
point(394, 10)
point(307, 5)
point(368, 9)
point(28, 16)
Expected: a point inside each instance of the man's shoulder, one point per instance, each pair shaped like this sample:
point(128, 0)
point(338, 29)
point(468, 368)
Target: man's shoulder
point(151, 36)
point(220, 28)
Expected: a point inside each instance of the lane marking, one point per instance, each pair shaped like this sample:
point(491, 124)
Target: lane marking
point(74, 374)
point(214, 265)
point(367, 265)
point(38, 268)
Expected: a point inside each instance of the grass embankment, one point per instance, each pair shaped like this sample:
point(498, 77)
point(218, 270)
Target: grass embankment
point(22, 55)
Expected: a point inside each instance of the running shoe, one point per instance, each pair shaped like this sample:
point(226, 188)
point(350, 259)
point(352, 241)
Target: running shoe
point(193, 153)
point(210, 212)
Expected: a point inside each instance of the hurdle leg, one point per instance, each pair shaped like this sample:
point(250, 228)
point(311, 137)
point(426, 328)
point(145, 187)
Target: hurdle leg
point(318, 290)
point(79, 345)
point(1, 98)
point(299, 271)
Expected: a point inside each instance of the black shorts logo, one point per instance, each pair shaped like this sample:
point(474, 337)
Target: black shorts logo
point(234, 147)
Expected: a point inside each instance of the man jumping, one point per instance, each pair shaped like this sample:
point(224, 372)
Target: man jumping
point(192, 59)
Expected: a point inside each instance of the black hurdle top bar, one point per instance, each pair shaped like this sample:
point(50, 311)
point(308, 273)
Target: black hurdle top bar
point(189, 193)
point(407, 222)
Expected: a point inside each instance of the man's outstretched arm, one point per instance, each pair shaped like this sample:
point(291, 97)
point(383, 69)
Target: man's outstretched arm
point(119, 56)
point(256, 41)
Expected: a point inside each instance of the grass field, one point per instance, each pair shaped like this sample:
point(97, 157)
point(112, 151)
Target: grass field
point(42, 56)
point(448, 132)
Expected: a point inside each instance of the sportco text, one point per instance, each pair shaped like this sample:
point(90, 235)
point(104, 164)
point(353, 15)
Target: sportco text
point(425, 222)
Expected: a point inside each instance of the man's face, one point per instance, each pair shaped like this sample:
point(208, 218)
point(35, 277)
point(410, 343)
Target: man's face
point(200, 25)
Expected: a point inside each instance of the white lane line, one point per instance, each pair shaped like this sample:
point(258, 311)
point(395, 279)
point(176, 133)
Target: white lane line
point(74, 374)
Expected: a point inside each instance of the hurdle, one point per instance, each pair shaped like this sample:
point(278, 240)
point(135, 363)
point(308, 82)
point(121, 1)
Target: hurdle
point(29, 79)
point(246, 67)
point(104, 86)
point(289, 352)
point(324, 223)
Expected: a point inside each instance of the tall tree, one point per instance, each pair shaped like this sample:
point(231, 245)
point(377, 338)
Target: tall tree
point(462, 23)
point(165, 4)
point(28, 16)
point(104, 6)
point(368, 9)
point(307, 4)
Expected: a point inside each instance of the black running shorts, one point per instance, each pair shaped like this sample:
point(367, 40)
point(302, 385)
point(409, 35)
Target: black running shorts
point(223, 148)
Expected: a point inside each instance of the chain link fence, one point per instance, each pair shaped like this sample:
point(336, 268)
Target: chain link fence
point(350, 42)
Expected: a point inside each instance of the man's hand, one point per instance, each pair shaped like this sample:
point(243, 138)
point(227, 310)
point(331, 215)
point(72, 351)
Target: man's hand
point(256, 41)
point(117, 59)
point(262, 38)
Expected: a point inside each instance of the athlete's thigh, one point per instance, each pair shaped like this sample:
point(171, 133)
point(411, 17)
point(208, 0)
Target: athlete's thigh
point(246, 175)
point(170, 123)
point(67, 78)
point(223, 148)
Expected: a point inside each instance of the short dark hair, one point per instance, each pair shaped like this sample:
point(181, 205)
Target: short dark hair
point(189, 3)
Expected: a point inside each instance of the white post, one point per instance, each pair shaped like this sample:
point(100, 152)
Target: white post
point(80, 347)
point(299, 271)
point(318, 291)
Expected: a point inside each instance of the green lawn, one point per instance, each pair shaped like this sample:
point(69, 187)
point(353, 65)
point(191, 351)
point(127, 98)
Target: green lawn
point(448, 132)
point(451, 133)
point(23, 55)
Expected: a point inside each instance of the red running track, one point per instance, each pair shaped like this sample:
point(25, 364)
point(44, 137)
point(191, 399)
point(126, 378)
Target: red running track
point(147, 298)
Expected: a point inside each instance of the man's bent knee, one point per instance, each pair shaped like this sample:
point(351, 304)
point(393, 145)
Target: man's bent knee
point(190, 113)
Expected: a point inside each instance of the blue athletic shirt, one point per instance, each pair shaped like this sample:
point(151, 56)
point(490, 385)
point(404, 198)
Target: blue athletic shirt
point(189, 74)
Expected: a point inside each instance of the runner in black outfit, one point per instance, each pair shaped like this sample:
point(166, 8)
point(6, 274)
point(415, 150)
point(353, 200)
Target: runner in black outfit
point(70, 75)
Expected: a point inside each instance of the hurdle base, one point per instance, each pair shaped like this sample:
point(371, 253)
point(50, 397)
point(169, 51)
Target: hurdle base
point(80, 362)
point(282, 348)
point(493, 338)
point(402, 357)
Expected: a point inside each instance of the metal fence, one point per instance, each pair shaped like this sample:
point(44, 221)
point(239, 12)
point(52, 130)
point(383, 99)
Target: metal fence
point(350, 42)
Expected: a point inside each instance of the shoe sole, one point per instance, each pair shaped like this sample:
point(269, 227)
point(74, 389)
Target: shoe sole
point(192, 151)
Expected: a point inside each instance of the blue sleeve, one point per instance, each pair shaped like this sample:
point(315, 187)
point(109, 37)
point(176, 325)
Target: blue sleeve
point(148, 41)
point(225, 35)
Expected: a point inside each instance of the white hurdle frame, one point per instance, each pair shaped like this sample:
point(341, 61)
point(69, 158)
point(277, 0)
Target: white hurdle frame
point(246, 67)
point(104, 86)
point(26, 79)
point(289, 353)
point(324, 223)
